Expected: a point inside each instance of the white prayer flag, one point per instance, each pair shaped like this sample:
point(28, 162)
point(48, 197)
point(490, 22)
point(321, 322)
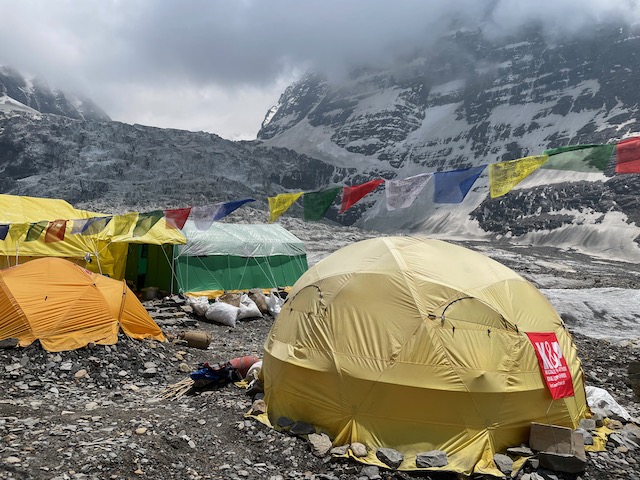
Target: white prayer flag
point(403, 192)
point(203, 216)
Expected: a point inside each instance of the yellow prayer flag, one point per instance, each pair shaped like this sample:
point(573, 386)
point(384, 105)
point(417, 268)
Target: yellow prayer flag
point(504, 176)
point(124, 223)
point(17, 230)
point(281, 203)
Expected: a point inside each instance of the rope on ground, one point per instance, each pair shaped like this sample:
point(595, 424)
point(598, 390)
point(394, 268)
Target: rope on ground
point(177, 390)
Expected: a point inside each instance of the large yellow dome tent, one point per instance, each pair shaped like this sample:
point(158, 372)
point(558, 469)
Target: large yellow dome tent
point(417, 345)
point(107, 249)
point(66, 307)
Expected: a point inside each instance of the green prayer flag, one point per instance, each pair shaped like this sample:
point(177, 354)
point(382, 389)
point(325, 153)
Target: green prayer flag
point(146, 221)
point(316, 204)
point(35, 230)
point(579, 158)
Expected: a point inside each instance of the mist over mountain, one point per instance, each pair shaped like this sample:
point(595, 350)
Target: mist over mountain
point(468, 99)
point(465, 100)
point(36, 94)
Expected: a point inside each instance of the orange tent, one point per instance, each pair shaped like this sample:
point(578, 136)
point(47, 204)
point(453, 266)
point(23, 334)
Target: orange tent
point(66, 306)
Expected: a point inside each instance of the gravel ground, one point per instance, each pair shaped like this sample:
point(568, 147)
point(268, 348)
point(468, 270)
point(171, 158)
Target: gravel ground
point(96, 413)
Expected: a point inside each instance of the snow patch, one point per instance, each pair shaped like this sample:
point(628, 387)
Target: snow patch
point(316, 142)
point(453, 86)
point(8, 104)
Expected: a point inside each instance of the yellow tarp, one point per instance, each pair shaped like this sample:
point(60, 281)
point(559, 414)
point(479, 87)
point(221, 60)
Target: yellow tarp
point(108, 248)
point(600, 437)
point(66, 307)
point(417, 345)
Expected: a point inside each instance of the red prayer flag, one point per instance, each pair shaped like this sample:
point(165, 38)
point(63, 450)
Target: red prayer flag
point(552, 364)
point(351, 195)
point(176, 217)
point(55, 231)
point(628, 155)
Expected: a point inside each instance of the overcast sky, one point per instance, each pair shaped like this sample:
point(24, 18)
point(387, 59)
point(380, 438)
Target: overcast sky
point(219, 66)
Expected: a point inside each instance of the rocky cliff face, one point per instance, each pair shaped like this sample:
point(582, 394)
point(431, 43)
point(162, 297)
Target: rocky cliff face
point(35, 93)
point(115, 166)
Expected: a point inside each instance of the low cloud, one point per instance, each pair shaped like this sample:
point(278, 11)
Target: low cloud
point(208, 65)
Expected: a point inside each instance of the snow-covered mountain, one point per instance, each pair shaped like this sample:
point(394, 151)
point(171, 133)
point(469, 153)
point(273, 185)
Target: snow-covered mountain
point(18, 90)
point(466, 101)
point(471, 101)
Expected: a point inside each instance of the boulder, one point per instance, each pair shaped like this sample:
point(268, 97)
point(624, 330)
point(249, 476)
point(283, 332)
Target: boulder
point(504, 463)
point(320, 444)
point(389, 457)
point(560, 448)
point(562, 462)
point(341, 450)
point(358, 449)
point(433, 458)
point(302, 428)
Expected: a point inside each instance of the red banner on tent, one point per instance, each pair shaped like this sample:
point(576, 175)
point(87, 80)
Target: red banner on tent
point(628, 155)
point(552, 364)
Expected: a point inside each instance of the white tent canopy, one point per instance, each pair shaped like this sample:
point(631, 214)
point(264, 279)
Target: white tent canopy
point(261, 240)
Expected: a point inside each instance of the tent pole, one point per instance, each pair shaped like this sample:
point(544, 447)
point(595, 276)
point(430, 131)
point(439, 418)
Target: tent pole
point(17, 247)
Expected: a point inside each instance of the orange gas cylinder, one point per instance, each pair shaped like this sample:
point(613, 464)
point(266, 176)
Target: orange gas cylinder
point(242, 364)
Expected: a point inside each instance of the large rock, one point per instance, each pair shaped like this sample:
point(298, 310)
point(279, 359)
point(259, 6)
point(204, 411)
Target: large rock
point(302, 428)
point(433, 458)
point(389, 457)
point(9, 343)
point(562, 462)
point(320, 444)
point(504, 463)
point(371, 472)
point(556, 439)
point(358, 449)
point(560, 448)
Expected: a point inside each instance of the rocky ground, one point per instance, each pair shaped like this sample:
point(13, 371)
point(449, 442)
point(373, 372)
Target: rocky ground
point(98, 412)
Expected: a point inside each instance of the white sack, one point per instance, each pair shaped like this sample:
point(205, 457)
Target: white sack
point(248, 308)
point(199, 305)
point(601, 399)
point(221, 312)
point(274, 303)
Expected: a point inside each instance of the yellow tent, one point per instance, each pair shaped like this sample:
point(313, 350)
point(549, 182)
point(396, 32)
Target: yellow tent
point(108, 248)
point(66, 306)
point(417, 345)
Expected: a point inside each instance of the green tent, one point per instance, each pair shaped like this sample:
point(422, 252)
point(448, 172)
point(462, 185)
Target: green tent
point(229, 257)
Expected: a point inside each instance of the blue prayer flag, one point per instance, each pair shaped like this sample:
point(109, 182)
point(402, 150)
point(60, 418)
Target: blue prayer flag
point(228, 207)
point(453, 186)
